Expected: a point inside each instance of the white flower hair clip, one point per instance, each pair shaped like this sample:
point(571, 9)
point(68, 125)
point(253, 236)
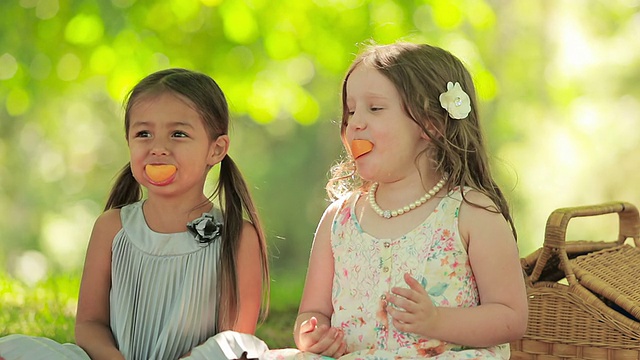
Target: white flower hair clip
point(456, 101)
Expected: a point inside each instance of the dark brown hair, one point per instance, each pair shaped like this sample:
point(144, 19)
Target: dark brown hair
point(420, 73)
point(232, 192)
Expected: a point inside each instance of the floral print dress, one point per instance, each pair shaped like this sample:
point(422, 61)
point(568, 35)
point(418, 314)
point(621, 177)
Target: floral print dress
point(366, 268)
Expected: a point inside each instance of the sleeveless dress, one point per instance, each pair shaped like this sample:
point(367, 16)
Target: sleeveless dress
point(367, 267)
point(163, 299)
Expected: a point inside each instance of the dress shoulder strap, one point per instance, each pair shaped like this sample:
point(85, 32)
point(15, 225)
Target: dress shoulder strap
point(130, 214)
point(449, 206)
point(343, 204)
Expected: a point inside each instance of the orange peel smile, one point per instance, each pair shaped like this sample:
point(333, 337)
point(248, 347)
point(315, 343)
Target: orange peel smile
point(160, 173)
point(360, 147)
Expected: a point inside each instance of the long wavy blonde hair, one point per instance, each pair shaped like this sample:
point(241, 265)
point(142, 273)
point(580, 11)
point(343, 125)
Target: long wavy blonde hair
point(420, 73)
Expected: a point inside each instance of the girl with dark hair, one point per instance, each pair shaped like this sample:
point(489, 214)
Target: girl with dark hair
point(174, 274)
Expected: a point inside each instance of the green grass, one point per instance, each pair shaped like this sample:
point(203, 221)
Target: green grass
point(45, 309)
point(48, 309)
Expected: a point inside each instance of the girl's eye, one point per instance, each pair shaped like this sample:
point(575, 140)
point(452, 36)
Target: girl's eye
point(143, 134)
point(180, 134)
point(376, 108)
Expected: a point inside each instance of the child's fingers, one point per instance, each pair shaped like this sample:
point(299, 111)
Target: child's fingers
point(415, 293)
point(309, 340)
point(403, 326)
point(413, 283)
point(411, 302)
point(326, 341)
point(309, 325)
point(342, 350)
point(403, 295)
point(399, 315)
point(334, 346)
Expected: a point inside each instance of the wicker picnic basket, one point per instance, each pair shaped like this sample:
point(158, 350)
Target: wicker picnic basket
point(584, 296)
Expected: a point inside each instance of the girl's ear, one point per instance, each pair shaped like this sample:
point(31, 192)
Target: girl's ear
point(432, 131)
point(218, 150)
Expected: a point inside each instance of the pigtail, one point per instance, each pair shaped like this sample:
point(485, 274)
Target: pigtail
point(125, 191)
point(237, 202)
point(233, 195)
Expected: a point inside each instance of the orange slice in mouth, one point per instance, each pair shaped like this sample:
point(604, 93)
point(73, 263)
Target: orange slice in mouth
point(360, 147)
point(160, 173)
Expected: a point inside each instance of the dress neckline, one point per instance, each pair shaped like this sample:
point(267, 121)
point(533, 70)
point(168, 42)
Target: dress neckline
point(352, 213)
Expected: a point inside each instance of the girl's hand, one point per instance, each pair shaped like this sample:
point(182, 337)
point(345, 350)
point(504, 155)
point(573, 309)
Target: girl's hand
point(414, 311)
point(323, 340)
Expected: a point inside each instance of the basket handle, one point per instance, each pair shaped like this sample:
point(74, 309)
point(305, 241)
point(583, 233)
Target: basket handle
point(556, 231)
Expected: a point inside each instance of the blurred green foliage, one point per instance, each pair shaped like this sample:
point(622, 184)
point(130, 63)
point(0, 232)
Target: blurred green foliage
point(557, 81)
point(47, 309)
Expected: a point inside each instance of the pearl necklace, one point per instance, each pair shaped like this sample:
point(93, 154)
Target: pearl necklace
point(387, 214)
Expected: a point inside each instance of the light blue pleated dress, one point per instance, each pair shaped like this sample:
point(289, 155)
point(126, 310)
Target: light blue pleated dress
point(163, 299)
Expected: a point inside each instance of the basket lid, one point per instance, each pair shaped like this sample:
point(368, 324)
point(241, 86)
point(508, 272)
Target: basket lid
point(614, 274)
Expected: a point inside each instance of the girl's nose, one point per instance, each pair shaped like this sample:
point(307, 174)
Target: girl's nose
point(159, 147)
point(356, 121)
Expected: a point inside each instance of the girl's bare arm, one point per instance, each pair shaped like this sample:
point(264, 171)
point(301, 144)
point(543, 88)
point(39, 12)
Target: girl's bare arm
point(313, 331)
point(502, 314)
point(92, 330)
point(249, 272)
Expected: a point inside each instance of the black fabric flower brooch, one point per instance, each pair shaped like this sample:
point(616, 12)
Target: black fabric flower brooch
point(204, 229)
